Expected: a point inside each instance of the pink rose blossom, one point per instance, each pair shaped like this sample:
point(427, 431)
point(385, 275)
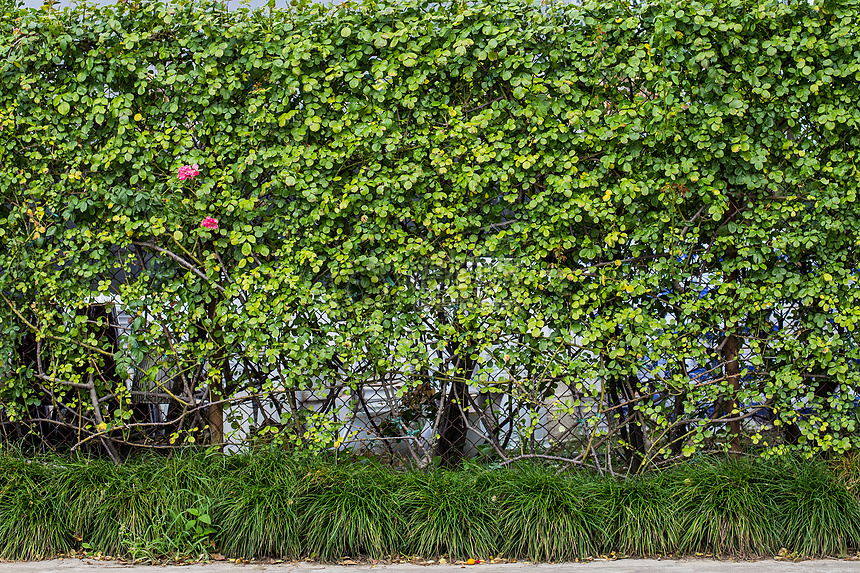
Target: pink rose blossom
point(210, 223)
point(188, 172)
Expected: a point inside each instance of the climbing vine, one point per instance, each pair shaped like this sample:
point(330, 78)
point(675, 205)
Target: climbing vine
point(603, 232)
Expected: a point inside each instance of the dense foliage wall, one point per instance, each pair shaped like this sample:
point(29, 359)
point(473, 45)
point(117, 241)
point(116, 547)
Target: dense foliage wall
point(610, 233)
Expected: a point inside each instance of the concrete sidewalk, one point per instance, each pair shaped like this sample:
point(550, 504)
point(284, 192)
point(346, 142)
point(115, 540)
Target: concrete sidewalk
point(598, 566)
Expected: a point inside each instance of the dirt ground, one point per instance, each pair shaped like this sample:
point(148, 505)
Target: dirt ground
point(597, 566)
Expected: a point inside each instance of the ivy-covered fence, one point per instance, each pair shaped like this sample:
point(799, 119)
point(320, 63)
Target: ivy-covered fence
point(615, 234)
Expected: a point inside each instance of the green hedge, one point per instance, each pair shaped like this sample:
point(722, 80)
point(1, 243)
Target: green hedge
point(650, 207)
point(271, 506)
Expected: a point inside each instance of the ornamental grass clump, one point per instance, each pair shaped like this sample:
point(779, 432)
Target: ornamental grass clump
point(450, 513)
point(144, 509)
point(644, 516)
point(31, 520)
point(818, 515)
point(256, 510)
point(270, 504)
point(348, 510)
point(726, 508)
point(549, 516)
point(114, 509)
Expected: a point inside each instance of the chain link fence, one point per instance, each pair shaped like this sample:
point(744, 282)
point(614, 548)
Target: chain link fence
point(149, 381)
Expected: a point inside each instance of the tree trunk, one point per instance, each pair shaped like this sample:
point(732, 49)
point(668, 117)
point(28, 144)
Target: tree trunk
point(733, 376)
point(452, 427)
point(215, 418)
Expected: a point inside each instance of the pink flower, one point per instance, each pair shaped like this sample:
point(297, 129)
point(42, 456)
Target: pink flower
point(188, 172)
point(210, 223)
